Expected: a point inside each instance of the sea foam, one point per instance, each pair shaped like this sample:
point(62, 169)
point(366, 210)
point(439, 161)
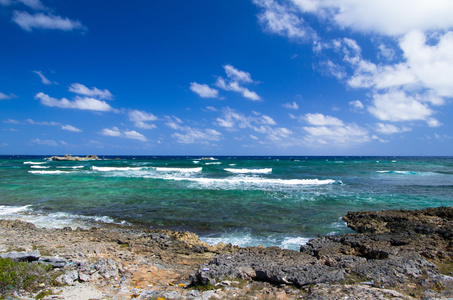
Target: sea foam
point(250, 171)
point(49, 172)
point(182, 170)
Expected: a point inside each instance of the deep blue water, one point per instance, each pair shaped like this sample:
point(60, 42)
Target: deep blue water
point(279, 201)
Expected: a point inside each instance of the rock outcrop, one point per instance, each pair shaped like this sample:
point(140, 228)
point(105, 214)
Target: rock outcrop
point(410, 251)
point(68, 157)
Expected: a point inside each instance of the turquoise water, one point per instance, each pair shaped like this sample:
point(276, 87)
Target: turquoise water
point(280, 201)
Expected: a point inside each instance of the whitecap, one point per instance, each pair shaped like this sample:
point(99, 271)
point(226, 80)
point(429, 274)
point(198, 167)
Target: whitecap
point(182, 170)
point(12, 210)
point(34, 162)
point(39, 167)
point(110, 169)
point(49, 172)
point(70, 167)
point(293, 242)
point(250, 171)
point(260, 181)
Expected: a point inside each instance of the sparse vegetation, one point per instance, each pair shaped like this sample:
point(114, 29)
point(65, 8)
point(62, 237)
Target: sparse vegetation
point(30, 277)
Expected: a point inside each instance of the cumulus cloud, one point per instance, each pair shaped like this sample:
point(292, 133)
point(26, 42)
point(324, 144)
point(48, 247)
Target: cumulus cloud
point(390, 128)
point(140, 119)
point(385, 17)
point(433, 122)
point(70, 128)
point(83, 103)
point(114, 131)
point(397, 106)
point(322, 120)
point(44, 80)
point(293, 105)
point(45, 142)
point(203, 90)
point(189, 135)
point(328, 130)
point(233, 121)
point(130, 134)
point(357, 104)
point(404, 91)
point(234, 82)
point(29, 22)
point(283, 20)
point(93, 92)
point(341, 136)
point(193, 135)
point(432, 65)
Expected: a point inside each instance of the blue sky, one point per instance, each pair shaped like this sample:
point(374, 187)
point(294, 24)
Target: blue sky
point(227, 77)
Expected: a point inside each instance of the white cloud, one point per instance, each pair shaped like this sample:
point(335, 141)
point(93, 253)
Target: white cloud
point(4, 96)
point(267, 120)
point(44, 142)
point(293, 105)
point(114, 131)
point(431, 64)
point(433, 122)
point(357, 104)
point(237, 75)
point(406, 90)
point(283, 20)
point(390, 128)
point(84, 103)
point(70, 128)
point(44, 80)
point(140, 119)
point(45, 21)
point(233, 121)
point(45, 123)
point(235, 87)
point(130, 134)
point(331, 68)
point(341, 136)
point(203, 90)
point(385, 17)
point(398, 106)
point(193, 135)
point(173, 122)
point(210, 108)
point(322, 120)
point(11, 121)
point(93, 92)
point(35, 4)
point(134, 135)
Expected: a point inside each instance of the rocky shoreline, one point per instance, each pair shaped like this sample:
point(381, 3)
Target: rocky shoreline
point(394, 254)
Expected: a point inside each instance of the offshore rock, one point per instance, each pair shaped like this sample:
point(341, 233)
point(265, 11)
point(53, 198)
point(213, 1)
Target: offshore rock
point(68, 157)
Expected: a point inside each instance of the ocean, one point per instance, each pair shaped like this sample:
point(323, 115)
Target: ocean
point(246, 201)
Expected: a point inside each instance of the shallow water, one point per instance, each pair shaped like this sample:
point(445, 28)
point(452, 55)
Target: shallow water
point(280, 201)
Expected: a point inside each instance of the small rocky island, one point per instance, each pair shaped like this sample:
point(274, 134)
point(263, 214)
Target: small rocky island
point(394, 254)
point(69, 157)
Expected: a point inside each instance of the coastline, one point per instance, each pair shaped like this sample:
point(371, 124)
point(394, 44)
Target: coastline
point(399, 254)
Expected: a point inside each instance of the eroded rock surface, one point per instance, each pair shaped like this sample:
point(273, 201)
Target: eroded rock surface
point(410, 251)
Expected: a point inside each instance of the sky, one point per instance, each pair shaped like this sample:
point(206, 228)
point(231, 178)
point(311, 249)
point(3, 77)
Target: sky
point(226, 77)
